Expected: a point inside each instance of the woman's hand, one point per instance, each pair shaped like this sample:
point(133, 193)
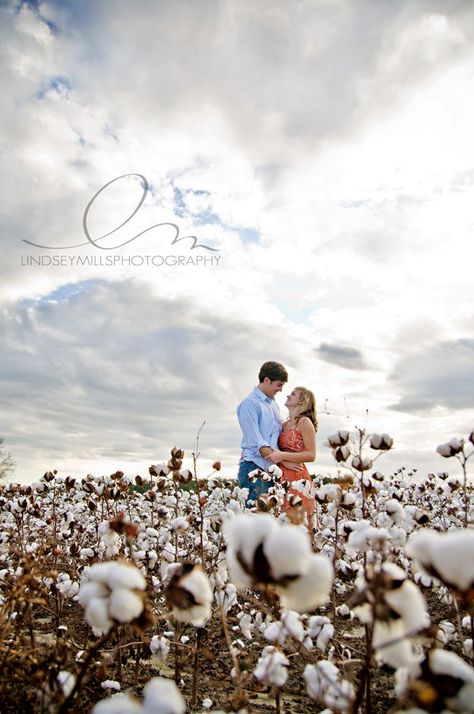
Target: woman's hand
point(276, 456)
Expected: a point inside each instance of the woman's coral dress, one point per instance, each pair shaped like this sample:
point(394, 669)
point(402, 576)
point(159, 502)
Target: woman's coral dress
point(292, 440)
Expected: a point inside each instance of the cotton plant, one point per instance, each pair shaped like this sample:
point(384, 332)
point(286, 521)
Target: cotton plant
point(457, 448)
point(389, 508)
point(395, 608)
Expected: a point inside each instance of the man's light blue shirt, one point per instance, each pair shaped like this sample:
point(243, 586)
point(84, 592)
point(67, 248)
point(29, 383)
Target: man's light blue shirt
point(260, 421)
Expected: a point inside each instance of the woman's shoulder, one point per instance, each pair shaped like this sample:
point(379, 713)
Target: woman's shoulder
point(305, 422)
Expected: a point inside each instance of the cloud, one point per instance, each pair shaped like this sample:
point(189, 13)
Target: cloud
point(347, 357)
point(441, 376)
point(108, 370)
point(281, 86)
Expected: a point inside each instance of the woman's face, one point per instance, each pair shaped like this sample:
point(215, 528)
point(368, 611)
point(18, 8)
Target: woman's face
point(293, 399)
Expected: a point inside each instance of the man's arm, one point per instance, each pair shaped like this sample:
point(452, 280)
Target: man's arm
point(248, 420)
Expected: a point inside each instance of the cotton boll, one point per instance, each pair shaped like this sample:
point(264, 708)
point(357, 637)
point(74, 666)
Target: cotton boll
point(367, 537)
point(381, 442)
point(117, 704)
point(275, 632)
point(426, 581)
point(226, 596)
point(339, 438)
point(293, 625)
point(86, 553)
point(408, 601)
point(160, 647)
point(383, 520)
point(244, 534)
point(398, 536)
point(451, 448)
point(400, 653)
point(444, 677)
point(179, 524)
point(66, 681)
point(245, 625)
point(125, 605)
point(271, 668)
point(275, 471)
point(311, 590)
point(444, 556)
point(325, 684)
point(320, 629)
point(445, 633)
point(315, 683)
point(162, 696)
point(361, 463)
point(189, 594)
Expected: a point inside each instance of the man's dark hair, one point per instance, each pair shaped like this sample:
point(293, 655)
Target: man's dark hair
point(274, 371)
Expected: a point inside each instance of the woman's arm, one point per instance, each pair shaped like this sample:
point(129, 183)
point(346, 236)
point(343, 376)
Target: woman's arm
point(309, 440)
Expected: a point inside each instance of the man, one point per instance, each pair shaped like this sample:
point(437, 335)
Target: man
point(260, 422)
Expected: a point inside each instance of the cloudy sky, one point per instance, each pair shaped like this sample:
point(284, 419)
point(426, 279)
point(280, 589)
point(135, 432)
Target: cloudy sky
point(320, 151)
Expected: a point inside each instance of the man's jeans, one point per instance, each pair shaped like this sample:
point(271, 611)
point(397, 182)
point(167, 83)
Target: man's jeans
point(257, 487)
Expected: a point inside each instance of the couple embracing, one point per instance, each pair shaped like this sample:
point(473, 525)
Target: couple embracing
point(267, 440)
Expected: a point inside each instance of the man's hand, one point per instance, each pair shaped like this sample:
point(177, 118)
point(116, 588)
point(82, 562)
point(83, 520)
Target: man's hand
point(276, 456)
point(290, 465)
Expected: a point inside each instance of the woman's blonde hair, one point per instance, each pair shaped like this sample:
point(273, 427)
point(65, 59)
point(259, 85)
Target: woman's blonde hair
point(307, 406)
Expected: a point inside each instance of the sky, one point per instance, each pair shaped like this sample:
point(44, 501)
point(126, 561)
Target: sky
point(321, 154)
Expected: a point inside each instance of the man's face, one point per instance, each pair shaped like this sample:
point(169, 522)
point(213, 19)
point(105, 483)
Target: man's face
point(272, 387)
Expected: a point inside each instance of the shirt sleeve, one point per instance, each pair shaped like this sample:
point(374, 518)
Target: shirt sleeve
point(248, 420)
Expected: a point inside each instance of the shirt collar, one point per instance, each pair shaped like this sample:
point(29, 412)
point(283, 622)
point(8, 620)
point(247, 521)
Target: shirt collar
point(258, 393)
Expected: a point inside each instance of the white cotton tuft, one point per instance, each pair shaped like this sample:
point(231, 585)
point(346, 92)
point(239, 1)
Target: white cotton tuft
point(162, 696)
point(66, 681)
point(111, 593)
point(275, 471)
point(117, 704)
point(91, 590)
point(288, 551)
point(125, 605)
point(309, 591)
point(320, 629)
point(97, 615)
point(451, 448)
point(243, 534)
point(160, 647)
point(271, 668)
point(191, 582)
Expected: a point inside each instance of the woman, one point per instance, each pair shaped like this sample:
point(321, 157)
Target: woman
point(297, 443)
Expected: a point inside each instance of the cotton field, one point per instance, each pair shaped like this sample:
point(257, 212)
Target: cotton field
point(166, 593)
